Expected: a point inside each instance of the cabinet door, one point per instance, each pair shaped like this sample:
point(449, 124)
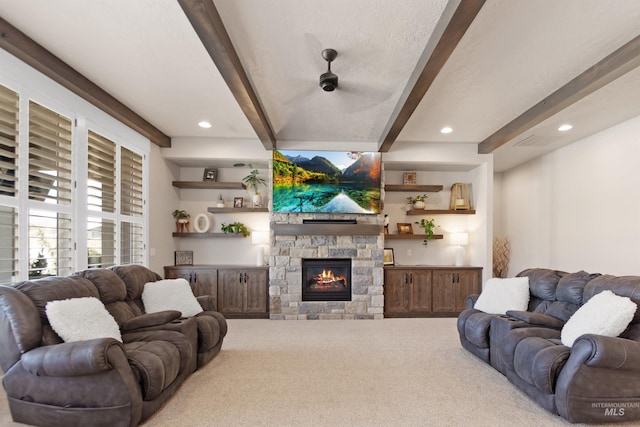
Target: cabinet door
point(205, 282)
point(256, 298)
point(230, 292)
point(444, 292)
point(396, 293)
point(468, 283)
point(420, 302)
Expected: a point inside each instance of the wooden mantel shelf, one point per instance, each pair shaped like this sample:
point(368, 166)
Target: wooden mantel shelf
point(413, 187)
point(412, 236)
point(210, 185)
point(326, 229)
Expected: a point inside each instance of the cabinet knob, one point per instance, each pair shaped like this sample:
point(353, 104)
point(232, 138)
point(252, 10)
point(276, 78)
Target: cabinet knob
point(195, 277)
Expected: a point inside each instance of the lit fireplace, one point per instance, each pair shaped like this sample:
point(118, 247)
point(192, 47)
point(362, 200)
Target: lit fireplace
point(326, 279)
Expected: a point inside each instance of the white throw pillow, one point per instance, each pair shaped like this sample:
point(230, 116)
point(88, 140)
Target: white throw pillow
point(170, 294)
point(79, 319)
point(500, 295)
point(605, 314)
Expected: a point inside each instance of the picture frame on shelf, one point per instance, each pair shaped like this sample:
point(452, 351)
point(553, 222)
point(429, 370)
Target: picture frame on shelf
point(405, 228)
point(409, 178)
point(238, 202)
point(387, 257)
point(183, 258)
point(210, 174)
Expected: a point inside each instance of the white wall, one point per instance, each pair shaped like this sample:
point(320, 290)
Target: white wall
point(163, 199)
point(577, 208)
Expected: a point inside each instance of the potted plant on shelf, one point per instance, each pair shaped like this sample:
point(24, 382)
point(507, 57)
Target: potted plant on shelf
point(254, 182)
point(428, 226)
point(182, 220)
point(418, 201)
point(235, 228)
point(220, 202)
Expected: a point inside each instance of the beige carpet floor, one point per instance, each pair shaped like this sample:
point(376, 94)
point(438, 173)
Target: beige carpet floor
point(392, 372)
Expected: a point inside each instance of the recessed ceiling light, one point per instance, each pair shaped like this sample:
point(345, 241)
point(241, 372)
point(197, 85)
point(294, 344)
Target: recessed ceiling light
point(204, 124)
point(446, 129)
point(565, 128)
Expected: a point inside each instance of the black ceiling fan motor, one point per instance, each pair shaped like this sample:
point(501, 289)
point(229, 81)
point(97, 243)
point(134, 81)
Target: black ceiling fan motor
point(328, 80)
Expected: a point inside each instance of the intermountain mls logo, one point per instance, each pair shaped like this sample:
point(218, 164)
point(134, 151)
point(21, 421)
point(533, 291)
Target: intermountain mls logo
point(615, 409)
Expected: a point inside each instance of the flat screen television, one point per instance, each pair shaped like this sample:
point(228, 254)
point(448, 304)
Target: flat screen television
point(326, 182)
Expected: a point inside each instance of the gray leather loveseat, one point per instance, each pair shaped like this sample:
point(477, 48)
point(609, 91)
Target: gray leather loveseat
point(597, 379)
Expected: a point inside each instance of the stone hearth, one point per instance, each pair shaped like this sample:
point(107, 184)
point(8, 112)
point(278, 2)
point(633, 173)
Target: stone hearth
point(285, 271)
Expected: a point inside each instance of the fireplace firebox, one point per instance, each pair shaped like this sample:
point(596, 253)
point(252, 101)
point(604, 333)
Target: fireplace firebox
point(326, 279)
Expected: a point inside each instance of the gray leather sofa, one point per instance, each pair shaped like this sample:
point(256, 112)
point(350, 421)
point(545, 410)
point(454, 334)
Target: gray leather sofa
point(595, 380)
point(98, 382)
point(211, 325)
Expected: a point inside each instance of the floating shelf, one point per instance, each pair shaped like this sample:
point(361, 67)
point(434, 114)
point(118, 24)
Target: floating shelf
point(411, 236)
point(326, 229)
point(210, 185)
point(208, 235)
point(440, 212)
point(413, 187)
point(237, 210)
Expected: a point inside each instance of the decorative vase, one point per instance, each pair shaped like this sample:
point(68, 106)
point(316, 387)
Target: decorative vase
point(220, 205)
point(182, 226)
point(418, 204)
point(256, 200)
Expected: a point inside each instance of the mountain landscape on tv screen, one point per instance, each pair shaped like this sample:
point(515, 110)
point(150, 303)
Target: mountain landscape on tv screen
point(326, 181)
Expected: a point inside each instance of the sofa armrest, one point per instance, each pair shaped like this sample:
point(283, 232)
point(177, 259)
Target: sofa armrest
point(609, 352)
point(71, 358)
point(150, 319)
point(536, 319)
point(470, 301)
point(207, 302)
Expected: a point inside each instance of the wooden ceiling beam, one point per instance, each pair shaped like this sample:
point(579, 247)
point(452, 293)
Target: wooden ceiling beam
point(33, 54)
point(206, 21)
point(431, 62)
point(599, 75)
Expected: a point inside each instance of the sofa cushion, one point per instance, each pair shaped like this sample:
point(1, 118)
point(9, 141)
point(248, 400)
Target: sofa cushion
point(539, 360)
point(79, 319)
point(604, 314)
point(500, 295)
point(170, 294)
point(109, 284)
point(542, 282)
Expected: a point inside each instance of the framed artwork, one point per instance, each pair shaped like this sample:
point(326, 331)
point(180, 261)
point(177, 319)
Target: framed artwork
point(405, 228)
point(409, 178)
point(238, 202)
point(387, 258)
point(210, 174)
point(183, 257)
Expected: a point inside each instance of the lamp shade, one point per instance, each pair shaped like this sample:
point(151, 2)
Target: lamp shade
point(459, 239)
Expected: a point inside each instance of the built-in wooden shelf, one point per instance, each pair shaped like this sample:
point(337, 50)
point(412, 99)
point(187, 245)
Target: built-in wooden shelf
point(440, 212)
point(210, 185)
point(413, 187)
point(411, 236)
point(207, 235)
point(237, 210)
point(326, 229)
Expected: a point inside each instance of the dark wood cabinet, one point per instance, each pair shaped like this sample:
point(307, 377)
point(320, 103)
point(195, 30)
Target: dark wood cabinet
point(239, 292)
point(407, 292)
point(243, 292)
point(428, 291)
point(203, 279)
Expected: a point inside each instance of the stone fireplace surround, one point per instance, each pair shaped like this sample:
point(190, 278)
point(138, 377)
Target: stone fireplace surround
point(285, 271)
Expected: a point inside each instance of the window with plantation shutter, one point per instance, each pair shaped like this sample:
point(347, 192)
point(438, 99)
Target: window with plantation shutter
point(72, 181)
point(8, 141)
point(50, 187)
point(131, 207)
point(9, 119)
point(101, 201)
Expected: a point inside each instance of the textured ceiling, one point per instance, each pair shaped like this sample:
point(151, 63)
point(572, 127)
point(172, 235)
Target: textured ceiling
point(516, 52)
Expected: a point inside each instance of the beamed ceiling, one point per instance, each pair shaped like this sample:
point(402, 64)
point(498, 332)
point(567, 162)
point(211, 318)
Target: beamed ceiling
point(504, 74)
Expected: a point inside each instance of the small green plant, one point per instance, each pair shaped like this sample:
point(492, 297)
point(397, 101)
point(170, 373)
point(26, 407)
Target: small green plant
point(428, 226)
point(253, 181)
point(235, 228)
point(180, 214)
point(418, 198)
